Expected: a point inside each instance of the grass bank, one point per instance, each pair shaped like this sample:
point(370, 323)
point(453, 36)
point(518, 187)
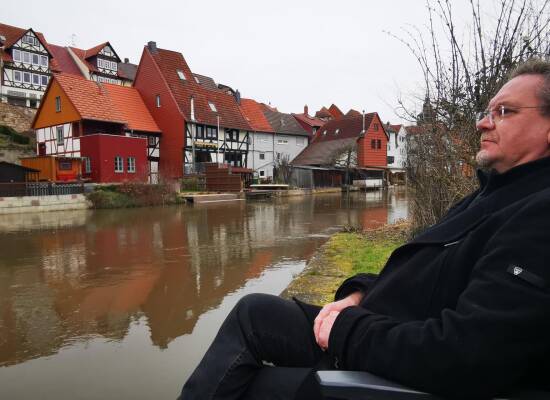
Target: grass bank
point(345, 254)
point(133, 195)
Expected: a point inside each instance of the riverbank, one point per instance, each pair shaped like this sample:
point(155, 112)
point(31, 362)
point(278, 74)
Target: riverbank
point(345, 254)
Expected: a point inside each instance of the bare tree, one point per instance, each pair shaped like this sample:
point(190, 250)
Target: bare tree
point(345, 157)
point(462, 69)
point(283, 169)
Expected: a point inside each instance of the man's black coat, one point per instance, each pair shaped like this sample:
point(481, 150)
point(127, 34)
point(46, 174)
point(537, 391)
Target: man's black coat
point(464, 308)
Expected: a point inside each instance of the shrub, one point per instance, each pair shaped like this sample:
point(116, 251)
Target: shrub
point(13, 135)
point(110, 199)
point(192, 184)
point(131, 195)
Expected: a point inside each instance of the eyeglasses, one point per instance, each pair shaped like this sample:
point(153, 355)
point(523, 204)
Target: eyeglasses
point(499, 112)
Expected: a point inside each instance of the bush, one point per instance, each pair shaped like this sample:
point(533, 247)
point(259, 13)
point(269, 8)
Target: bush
point(13, 135)
point(131, 195)
point(192, 184)
point(110, 199)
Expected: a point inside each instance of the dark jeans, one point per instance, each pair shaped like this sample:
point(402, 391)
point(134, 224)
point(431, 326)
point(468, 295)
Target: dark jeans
point(261, 330)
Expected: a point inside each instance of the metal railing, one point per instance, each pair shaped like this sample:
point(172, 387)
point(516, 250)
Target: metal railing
point(19, 189)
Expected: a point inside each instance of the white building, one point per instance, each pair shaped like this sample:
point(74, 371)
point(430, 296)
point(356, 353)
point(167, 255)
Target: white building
point(397, 148)
point(24, 66)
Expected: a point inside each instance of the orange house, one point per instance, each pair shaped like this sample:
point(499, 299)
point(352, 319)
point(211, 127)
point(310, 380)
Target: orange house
point(107, 126)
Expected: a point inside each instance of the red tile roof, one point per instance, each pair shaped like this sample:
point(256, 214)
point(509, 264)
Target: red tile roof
point(95, 50)
point(327, 141)
point(311, 121)
point(62, 61)
point(348, 126)
point(106, 102)
point(81, 54)
point(131, 107)
point(323, 113)
point(352, 113)
point(230, 115)
point(395, 128)
point(253, 113)
point(335, 111)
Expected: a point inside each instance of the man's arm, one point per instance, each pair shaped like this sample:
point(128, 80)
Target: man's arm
point(499, 326)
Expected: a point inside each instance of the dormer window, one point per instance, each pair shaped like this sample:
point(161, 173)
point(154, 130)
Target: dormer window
point(324, 132)
point(197, 79)
point(157, 101)
point(212, 106)
point(181, 75)
point(337, 131)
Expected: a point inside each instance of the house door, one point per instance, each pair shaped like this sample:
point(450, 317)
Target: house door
point(42, 149)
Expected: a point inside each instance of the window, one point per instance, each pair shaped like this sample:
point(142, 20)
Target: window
point(26, 77)
point(181, 74)
point(87, 165)
point(211, 132)
point(337, 131)
point(58, 104)
point(17, 76)
point(200, 131)
point(26, 57)
point(262, 173)
point(324, 132)
point(66, 165)
point(212, 106)
point(375, 127)
point(373, 144)
point(44, 79)
point(35, 59)
point(119, 164)
point(282, 141)
point(35, 79)
point(197, 79)
point(59, 135)
point(157, 101)
point(378, 144)
point(262, 156)
point(131, 167)
point(44, 61)
point(16, 55)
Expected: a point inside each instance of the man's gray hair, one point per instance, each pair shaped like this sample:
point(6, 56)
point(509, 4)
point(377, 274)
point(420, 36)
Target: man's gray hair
point(536, 66)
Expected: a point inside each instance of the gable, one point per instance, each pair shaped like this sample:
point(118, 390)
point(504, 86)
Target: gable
point(47, 114)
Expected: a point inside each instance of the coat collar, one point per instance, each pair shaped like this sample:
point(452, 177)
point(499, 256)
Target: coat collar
point(496, 192)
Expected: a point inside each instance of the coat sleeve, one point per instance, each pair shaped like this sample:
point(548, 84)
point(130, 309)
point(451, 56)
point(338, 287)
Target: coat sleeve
point(357, 283)
point(500, 325)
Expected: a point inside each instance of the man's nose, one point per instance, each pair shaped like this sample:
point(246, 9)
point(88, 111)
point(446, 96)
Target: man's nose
point(484, 124)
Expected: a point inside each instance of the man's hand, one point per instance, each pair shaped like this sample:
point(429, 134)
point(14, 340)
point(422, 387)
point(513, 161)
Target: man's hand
point(326, 317)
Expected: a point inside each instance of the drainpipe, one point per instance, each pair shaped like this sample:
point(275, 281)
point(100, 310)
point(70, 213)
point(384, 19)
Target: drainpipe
point(363, 122)
point(192, 134)
point(1, 71)
point(218, 140)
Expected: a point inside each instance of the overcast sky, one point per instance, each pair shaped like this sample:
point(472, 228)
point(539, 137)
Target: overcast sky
point(287, 53)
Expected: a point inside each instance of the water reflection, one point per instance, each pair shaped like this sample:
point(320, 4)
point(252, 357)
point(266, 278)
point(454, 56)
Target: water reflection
point(73, 277)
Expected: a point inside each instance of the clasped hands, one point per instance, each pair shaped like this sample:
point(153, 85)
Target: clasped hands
point(328, 314)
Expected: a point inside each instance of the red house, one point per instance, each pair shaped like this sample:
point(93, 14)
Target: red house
point(365, 134)
point(106, 125)
point(200, 121)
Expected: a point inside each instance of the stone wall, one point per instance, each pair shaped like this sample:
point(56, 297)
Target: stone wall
point(26, 204)
point(13, 155)
point(16, 117)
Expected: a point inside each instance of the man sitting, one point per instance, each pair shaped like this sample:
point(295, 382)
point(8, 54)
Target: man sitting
point(462, 310)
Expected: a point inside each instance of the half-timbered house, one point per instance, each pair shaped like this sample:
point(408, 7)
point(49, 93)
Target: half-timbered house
point(107, 125)
point(24, 66)
point(199, 124)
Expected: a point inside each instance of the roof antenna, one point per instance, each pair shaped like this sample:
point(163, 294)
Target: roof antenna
point(73, 40)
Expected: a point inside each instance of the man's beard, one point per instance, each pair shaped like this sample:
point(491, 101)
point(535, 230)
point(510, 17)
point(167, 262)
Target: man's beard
point(483, 160)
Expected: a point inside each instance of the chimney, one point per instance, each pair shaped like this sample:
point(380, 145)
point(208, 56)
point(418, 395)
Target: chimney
point(152, 46)
point(126, 61)
point(238, 96)
point(306, 110)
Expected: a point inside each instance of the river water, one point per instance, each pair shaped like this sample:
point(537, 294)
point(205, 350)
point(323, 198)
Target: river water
point(115, 304)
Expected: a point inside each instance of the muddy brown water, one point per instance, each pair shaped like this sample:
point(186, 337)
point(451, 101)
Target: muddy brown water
point(115, 304)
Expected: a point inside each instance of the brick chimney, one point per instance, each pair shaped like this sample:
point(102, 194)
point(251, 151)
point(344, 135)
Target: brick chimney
point(306, 110)
point(152, 46)
point(126, 61)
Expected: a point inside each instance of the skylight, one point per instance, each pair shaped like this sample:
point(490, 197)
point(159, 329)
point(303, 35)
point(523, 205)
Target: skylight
point(212, 106)
point(197, 79)
point(181, 74)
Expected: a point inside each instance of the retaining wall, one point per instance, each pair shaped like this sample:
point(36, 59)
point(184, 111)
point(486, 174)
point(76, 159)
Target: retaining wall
point(12, 205)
